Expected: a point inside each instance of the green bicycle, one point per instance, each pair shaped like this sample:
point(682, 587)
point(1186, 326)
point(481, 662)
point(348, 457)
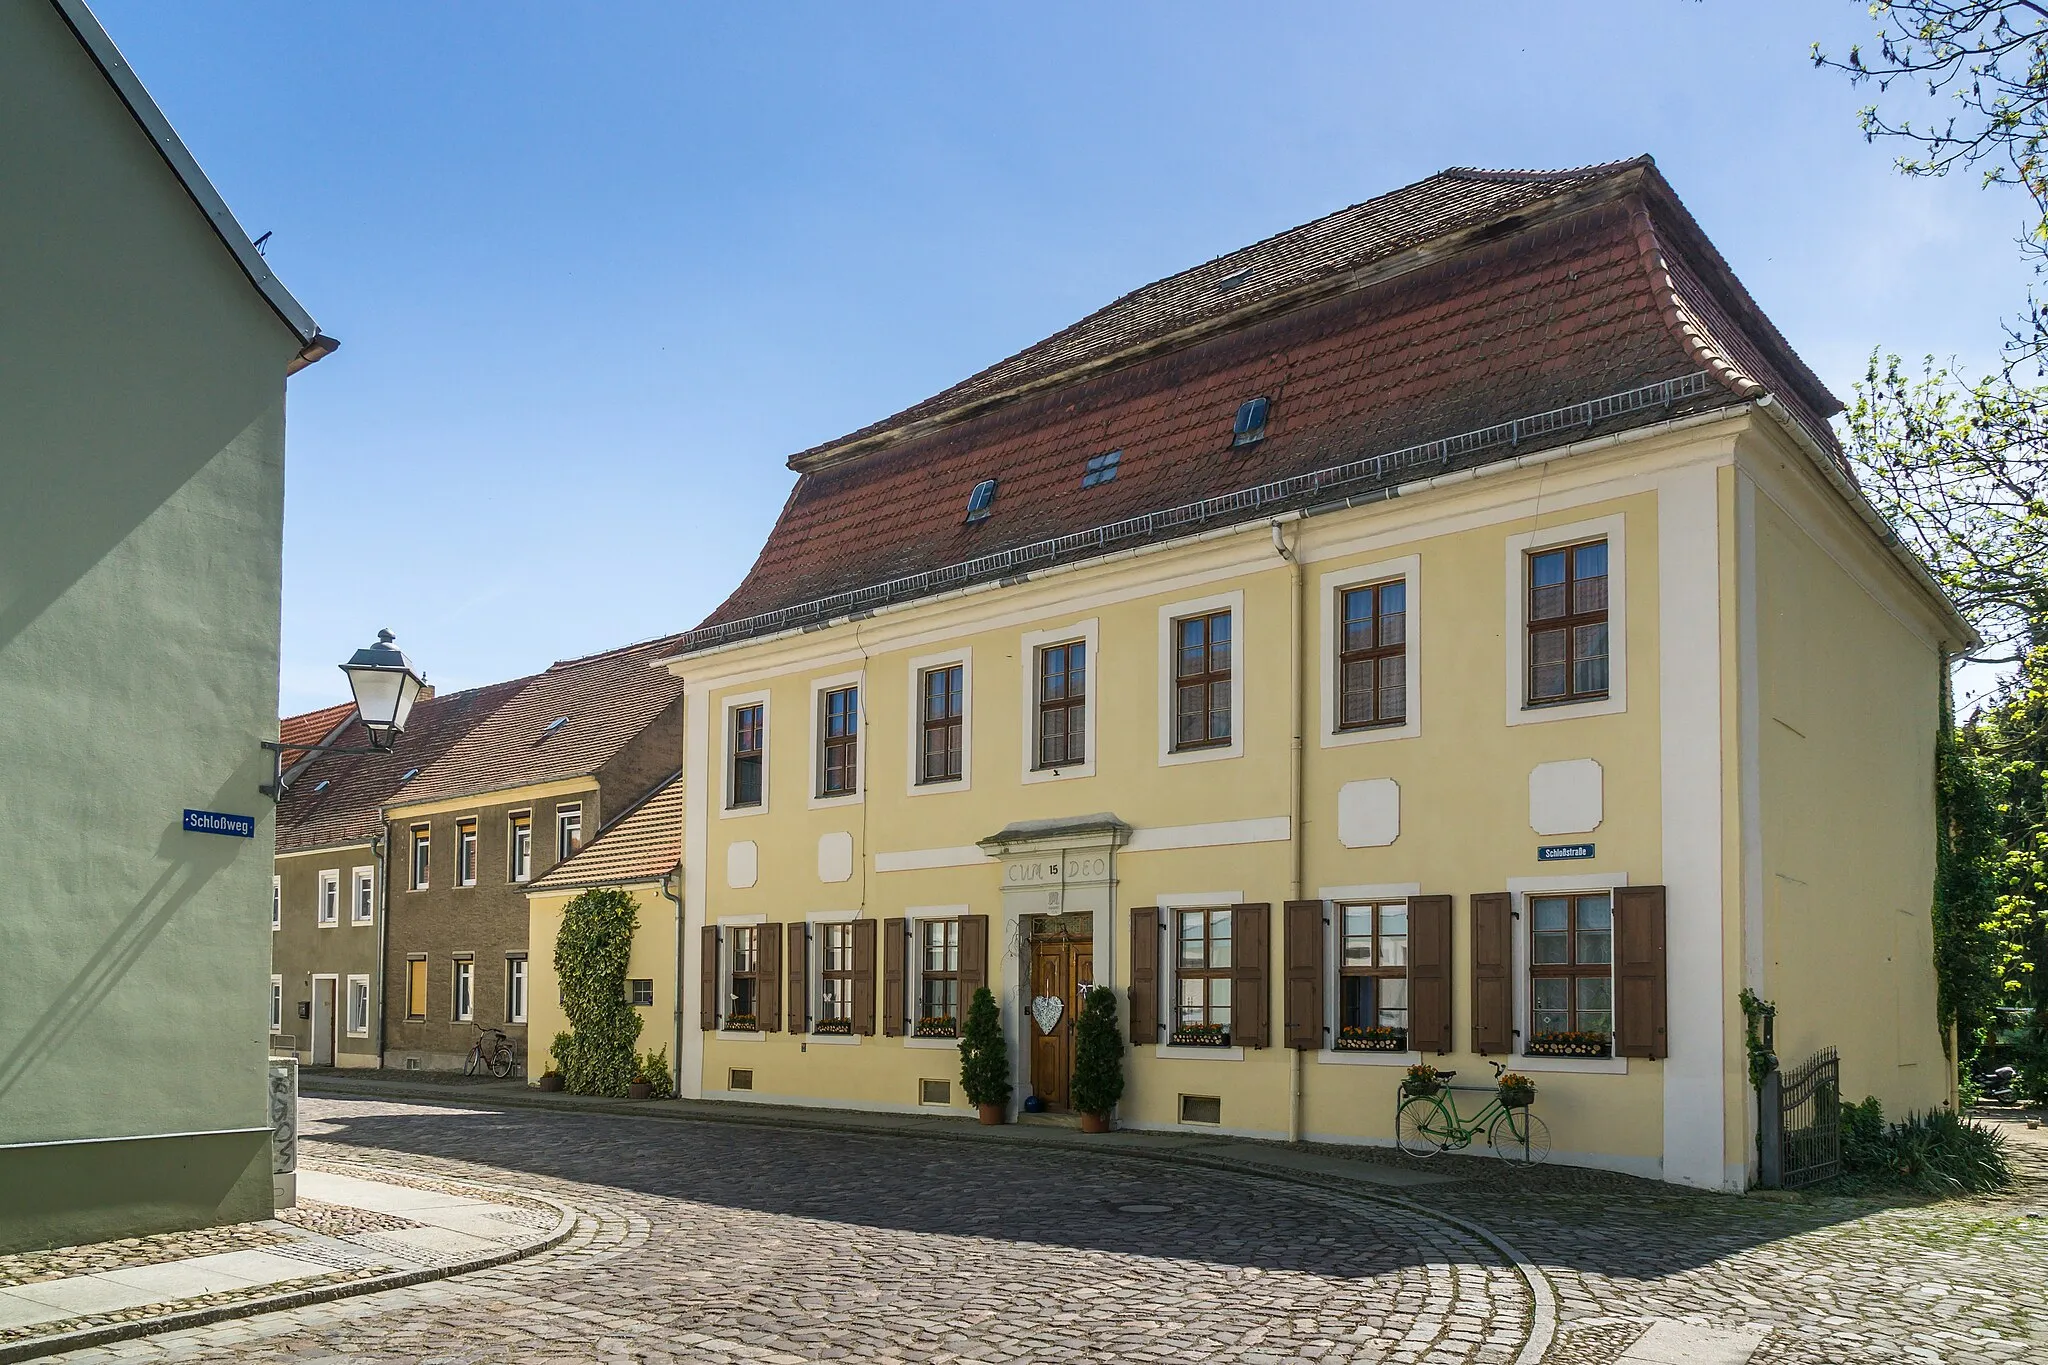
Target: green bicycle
point(1427, 1124)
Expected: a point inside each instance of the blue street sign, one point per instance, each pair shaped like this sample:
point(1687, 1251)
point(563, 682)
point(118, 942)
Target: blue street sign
point(1551, 853)
point(214, 822)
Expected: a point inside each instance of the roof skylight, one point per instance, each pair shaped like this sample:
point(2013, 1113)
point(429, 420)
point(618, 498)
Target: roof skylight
point(320, 786)
point(1101, 468)
point(410, 774)
point(1226, 283)
point(1250, 427)
point(557, 723)
point(978, 501)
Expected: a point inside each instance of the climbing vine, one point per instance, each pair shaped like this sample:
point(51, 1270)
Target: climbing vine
point(591, 952)
point(1756, 1014)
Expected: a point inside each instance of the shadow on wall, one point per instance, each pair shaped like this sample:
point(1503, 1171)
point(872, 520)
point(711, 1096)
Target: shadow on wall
point(191, 862)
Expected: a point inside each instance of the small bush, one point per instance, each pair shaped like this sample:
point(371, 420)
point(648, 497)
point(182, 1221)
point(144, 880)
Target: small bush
point(1933, 1153)
point(984, 1052)
point(1098, 1054)
point(653, 1069)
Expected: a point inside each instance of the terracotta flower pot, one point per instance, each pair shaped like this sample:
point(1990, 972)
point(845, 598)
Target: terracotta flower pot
point(551, 1081)
point(992, 1114)
point(1094, 1123)
point(639, 1090)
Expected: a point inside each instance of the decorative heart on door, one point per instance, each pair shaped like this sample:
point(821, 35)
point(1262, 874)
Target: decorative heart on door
point(1047, 1009)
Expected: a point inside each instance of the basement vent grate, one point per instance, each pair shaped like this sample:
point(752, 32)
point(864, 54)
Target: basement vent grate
point(934, 1092)
point(736, 1079)
point(1201, 1109)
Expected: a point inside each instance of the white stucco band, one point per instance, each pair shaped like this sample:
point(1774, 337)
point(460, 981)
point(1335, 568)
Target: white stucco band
point(1565, 797)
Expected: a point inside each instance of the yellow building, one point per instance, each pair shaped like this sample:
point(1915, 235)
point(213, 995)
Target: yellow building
point(1447, 630)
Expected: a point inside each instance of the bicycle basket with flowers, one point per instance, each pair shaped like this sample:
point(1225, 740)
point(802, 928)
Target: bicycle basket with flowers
point(1422, 1081)
point(1516, 1091)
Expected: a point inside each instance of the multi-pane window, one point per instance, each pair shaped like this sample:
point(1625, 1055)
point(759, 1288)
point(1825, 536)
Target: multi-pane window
point(749, 735)
point(939, 758)
point(465, 853)
point(465, 989)
point(835, 973)
point(362, 896)
point(277, 902)
point(839, 773)
point(568, 830)
point(1201, 681)
point(329, 904)
point(276, 1004)
point(519, 838)
point(359, 1005)
point(1568, 623)
point(1571, 968)
point(743, 989)
point(1202, 971)
point(1063, 705)
point(938, 964)
point(1372, 970)
point(422, 857)
point(1101, 468)
point(1372, 663)
point(640, 991)
point(515, 990)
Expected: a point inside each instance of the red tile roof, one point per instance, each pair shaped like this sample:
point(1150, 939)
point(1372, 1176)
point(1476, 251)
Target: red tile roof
point(309, 728)
point(1464, 301)
point(645, 843)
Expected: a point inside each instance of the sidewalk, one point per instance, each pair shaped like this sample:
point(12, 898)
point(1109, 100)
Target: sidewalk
point(350, 1234)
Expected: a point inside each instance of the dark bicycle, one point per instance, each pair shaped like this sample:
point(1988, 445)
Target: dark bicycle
point(492, 1052)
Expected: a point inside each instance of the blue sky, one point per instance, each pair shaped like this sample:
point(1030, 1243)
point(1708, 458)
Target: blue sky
point(598, 270)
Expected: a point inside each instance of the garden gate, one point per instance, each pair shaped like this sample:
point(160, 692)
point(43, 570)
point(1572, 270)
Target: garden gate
point(1810, 1119)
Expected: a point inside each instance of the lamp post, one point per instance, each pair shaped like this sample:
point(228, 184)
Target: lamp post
point(385, 685)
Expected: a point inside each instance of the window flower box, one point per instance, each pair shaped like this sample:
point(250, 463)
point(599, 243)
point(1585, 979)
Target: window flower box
point(1422, 1081)
point(937, 1026)
point(1352, 1038)
point(1570, 1045)
point(1516, 1091)
point(833, 1028)
point(742, 1023)
point(1199, 1035)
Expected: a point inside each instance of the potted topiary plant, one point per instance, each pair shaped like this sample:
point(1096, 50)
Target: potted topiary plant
point(1098, 1060)
point(652, 1073)
point(985, 1058)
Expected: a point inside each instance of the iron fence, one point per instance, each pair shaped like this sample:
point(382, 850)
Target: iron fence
point(1810, 1118)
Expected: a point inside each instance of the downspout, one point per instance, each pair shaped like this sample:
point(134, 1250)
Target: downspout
point(380, 845)
point(1296, 777)
point(676, 1047)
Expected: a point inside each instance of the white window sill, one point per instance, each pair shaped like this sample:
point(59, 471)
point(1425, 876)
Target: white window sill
point(353, 1033)
point(328, 924)
point(1198, 1054)
point(831, 1039)
point(1062, 774)
point(1173, 758)
point(1331, 1057)
point(945, 1044)
point(1527, 714)
point(739, 1035)
point(843, 799)
point(1590, 1066)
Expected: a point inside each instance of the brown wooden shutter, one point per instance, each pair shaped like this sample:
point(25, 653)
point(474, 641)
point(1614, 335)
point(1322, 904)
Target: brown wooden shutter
point(799, 978)
point(864, 976)
point(1493, 970)
point(1144, 976)
point(1429, 974)
point(1639, 1022)
point(973, 958)
point(1303, 992)
point(1250, 954)
point(892, 975)
point(707, 1001)
point(768, 978)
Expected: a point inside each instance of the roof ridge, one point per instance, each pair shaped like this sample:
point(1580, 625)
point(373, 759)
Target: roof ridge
point(636, 647)
point(1511, 176)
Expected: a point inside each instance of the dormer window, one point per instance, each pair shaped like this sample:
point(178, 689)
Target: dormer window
point(979, 500)
point(1250, 427)
point(1101, 468)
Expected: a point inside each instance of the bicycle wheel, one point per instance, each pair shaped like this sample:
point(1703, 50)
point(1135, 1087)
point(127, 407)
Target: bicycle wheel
point(501, 1062)
point(1520, 1138)
point(1419, 1128)
point(474, 1062)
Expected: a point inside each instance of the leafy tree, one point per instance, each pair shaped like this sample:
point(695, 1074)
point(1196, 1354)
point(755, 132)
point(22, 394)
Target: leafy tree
point(2009, 742)
point(1098, 1053)
point(984, 1052)
point(1967, 853)
point(591, 952)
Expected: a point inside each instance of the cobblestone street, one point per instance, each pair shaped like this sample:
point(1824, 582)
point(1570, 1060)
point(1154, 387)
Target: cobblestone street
point(722, 1242)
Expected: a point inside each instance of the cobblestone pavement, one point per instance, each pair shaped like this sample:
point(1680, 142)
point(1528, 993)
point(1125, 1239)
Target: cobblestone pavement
point(713, 1242)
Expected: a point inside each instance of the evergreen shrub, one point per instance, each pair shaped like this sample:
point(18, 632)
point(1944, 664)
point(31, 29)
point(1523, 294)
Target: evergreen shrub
point(984, 1052)
point(1098, 1054)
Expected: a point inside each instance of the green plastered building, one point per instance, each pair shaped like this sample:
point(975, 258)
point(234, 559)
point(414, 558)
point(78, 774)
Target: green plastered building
point(144, 348)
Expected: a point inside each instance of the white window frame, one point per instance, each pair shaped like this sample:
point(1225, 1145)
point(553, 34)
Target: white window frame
point(276, 902)
point(1613, 530)
point(563, 808)
point(728, 705)
point(1233, 602)
point(349, 1007)
point(814, 968)
point(1029, 646)
point(1168, 971)
point(513, 872)
point(414, 834)
point(327, 898)
point(361, 909)
point(462, 991)
point(914, 744)
point(819, 687)
point(1334, 898)
point(468, 847)
point(727, 922)
point(1521, 888)
point(518, 980)
point(276, 1004)
point(1408, 569)
point(916, 917)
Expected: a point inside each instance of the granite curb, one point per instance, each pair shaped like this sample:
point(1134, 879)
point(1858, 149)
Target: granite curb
point(36, 1348)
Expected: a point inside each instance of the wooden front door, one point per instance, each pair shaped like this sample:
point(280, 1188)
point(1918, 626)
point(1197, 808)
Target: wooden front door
point(1061, 968)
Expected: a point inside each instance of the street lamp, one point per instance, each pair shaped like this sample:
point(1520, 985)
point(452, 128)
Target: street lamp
point(385, 685)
